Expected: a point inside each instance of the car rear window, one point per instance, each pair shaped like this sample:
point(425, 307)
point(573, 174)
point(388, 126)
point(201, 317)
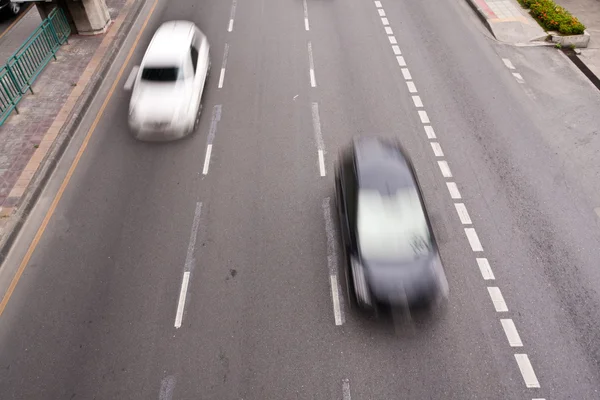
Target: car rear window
point(160, 74)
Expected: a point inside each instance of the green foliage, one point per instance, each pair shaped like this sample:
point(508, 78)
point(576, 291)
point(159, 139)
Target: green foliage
point(553, 17)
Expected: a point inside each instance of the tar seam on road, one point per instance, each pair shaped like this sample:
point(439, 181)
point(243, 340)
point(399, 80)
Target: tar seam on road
point(311, 66)
point(71, 171)
point(167, 386)
point(216, 117)
point(306, 26)
point(332, 257)
point(222, 76)
point(484, 266)
point(188, 266)
point(318, 138)
point(232, 16)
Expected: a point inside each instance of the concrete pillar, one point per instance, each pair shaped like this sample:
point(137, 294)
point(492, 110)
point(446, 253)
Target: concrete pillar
point(87, 17)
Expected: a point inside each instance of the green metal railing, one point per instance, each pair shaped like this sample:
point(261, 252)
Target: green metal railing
point(26, 64)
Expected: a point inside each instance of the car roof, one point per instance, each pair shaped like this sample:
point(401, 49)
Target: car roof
point(382, 166)
point(170, 43)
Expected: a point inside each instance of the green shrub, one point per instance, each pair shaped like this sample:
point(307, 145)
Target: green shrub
point(553, 17)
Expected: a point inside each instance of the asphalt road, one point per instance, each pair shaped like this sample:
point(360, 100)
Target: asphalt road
point(95, 316)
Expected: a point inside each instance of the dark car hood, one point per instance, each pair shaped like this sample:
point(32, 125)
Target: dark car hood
point(397, 282)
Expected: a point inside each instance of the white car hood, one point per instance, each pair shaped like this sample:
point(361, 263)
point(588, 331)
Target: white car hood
point(159, 102)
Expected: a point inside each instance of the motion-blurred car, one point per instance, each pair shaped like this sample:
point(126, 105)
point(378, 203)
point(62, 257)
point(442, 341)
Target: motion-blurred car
point(167, 92)
point(391, 253)
point(10, 7)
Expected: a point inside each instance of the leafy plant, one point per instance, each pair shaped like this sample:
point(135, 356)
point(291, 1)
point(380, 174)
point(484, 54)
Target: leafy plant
point(553, 17)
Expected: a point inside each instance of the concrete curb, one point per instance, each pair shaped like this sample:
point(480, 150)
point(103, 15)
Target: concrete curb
point(48, 165)
point(481, 15)
point(580, 64)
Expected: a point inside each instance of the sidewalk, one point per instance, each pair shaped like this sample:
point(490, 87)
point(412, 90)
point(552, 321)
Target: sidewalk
point(32, 141)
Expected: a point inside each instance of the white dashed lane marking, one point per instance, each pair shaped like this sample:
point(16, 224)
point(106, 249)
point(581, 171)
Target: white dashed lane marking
point(485, 269)
point(224, 66)
point(232, 16)
point(216, 117)
point(131, 79)
point(318, 138)
point(311, 66)
point(511, 332)
point(529, 377)
point(484, 266)
point(332, 256)
point(346, 389)
point(306, 26)
point(497, 299)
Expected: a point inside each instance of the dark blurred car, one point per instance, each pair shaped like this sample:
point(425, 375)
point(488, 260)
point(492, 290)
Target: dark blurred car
point(390, 251)
point(9, 7)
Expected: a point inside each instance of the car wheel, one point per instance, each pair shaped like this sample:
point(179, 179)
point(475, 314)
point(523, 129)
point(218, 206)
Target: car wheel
point(15, 8)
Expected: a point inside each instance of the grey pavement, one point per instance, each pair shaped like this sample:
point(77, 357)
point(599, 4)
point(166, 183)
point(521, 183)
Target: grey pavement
point(93, 314)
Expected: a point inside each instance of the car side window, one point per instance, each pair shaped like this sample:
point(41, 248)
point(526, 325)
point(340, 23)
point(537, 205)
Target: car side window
point(194, 55)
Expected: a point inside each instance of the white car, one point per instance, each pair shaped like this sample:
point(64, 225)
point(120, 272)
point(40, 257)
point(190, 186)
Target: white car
point(167, 91)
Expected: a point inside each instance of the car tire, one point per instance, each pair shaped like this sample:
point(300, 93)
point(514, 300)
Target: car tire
point(15, 8)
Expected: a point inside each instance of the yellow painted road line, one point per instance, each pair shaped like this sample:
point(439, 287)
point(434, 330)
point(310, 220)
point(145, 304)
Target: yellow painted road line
point(63, 186)
point(16, 20)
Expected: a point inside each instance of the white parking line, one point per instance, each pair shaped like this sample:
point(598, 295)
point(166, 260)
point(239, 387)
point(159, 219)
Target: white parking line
point(222, 77)
point(437, 149)
point(306, 26)
point(453, 189)
point(346, 390)
point(527, 372)
point(497, 299)
point(473, 239)
point(318, 137)
point(508, 64)
point(463, 214)
point(445, 169)
point(216, 117)
point(232, 16)
point(131, 79)
point(511, 332)
point(332, 256)
point(485, 269)
point(311, 65)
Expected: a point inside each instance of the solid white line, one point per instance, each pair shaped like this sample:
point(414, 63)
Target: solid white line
point(311, 65)
point(385, 21)
point(392, 39)
point(519, 77)
point(381, 12)
point(182, 296)
point(346, 390)
point(497, 299)
point(189, 257)
point(437, 149)
point(417, 101)
point(429, 131)
point(400, 59)
point(131, 78)
point(453, 189)
point(207, 159)
point(473, 239)
point(411, 87)
point(305, 15)
point(527, 371)
point(378, 4)
point(225, 55)
point(321, 162)
point(337, 312)
point(463, 214)
point(232, 15)
point(485, 269)
point(508, 64)
point(396, 50)
point(511, 333)
point(216, 117)
point(406, 74)
point(388, 30)
point(445, 169)
point(317, 126)
point(424, 117)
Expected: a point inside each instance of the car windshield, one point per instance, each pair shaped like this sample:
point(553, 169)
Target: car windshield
point(392, 228)
point(160, 74)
